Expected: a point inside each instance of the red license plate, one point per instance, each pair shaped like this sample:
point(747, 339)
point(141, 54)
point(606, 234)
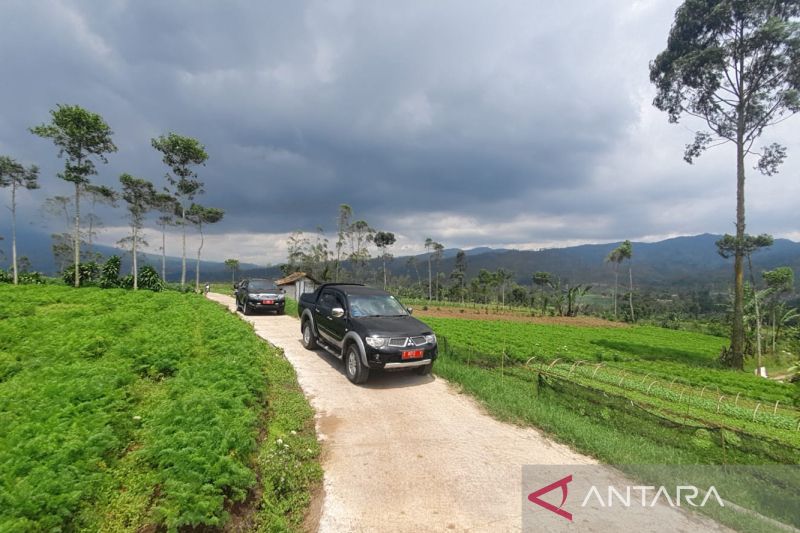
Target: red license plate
point(267, 302)
point(412, 354)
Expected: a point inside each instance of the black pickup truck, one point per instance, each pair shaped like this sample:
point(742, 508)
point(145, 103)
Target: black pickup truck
point(367, 328)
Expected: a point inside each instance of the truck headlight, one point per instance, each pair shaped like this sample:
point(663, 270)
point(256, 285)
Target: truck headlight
point(377, 342)
point(430, 339)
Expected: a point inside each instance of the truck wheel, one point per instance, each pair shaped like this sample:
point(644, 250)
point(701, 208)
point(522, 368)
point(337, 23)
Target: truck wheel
point(353, 367)
point(423, 370)
point(245, 308)
point(309, 340)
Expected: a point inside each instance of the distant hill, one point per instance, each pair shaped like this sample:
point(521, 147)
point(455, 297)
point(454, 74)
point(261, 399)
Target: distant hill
point(681, 262)
point(686, 262)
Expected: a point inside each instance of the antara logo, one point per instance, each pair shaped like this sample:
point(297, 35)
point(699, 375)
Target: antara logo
point(534, 497)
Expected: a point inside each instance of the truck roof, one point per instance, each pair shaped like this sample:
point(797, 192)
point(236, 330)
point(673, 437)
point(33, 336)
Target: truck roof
point(352, 288)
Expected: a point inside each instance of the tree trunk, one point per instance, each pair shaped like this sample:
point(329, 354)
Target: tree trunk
point(384, 271)
point(14, 230)
point(164, 252)
point(430, 281)
point(197, 265)
point(135, 263)
point(758, 314)
point(77, 235)
point(616, 285)
point(737, 332)
point(183, 253)
point(630, 289)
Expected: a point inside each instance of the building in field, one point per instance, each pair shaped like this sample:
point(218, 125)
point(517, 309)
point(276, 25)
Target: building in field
point(297, 283)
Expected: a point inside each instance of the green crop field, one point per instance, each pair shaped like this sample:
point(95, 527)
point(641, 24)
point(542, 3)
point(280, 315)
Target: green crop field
point(637, 394)
point(125, 411)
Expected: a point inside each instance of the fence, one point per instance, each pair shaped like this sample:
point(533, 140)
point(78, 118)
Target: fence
point(729, 429)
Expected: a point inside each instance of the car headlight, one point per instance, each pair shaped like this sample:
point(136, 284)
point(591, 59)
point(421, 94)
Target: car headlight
point(377, 342)
point(430, 339)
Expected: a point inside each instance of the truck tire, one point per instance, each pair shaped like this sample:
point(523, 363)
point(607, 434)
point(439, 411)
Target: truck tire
point(309, 339)
point(356, 371)
point(423, 370)
point(245, 308)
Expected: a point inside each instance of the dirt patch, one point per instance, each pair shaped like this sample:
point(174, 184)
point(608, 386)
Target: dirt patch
point(481, 314)
point(314, 511)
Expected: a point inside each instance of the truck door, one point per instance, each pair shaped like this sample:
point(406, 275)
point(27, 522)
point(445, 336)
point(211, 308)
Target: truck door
point(325, 305)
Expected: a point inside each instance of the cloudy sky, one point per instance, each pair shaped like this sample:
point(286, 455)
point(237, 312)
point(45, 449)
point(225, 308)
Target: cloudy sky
point(520, 124)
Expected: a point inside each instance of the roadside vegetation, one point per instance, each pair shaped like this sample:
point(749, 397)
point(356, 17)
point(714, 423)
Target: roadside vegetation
point(625, 395)
point(123, 411)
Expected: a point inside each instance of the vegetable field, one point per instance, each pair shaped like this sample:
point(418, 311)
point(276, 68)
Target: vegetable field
point(126, 410)
point(637, 394)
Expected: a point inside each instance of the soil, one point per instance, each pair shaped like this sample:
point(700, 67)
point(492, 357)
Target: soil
point(481, 314)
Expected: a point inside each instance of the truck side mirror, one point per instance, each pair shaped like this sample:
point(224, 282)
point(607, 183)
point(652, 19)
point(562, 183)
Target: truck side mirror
point(337, 312)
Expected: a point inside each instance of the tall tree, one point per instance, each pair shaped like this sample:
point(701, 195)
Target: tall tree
point(459, 273)
point(165, 204)
point(140, 196)
point(14, 175)
point(383, 240)
point(79, 135)
point(438, 253)
point(542, 279)
point(431, 247)
point(342, 224)
point(233, 265)
point(626, 253)
point(503, 276)
point(615, 257)
point(181, 154)
point(359, 235)
point(97, 194)
point(200, 216)
point(735, 64)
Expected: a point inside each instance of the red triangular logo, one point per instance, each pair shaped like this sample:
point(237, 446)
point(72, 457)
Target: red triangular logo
point(534, 497)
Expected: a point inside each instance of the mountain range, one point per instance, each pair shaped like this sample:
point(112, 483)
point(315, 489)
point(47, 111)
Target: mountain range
point(685, 262)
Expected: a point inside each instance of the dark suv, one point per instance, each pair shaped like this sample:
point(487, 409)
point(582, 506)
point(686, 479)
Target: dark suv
point(259, 294)
point(367, 328)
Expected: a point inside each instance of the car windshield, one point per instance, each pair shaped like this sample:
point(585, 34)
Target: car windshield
point(375, 305)
point(262, 285)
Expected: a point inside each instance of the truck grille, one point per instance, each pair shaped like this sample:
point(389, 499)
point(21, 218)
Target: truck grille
point(402, 342)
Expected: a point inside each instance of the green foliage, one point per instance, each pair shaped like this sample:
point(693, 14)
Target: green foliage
point(79, 134)
point(109, 276)
point(89, 273)
point(780, 280)
point(128, 411)
point(149, 279)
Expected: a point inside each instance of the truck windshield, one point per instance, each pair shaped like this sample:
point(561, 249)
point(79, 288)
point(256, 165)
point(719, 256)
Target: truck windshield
point(262, 285)
point(375, 305)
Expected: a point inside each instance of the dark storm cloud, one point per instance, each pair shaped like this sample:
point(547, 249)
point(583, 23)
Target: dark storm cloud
point(477, 122)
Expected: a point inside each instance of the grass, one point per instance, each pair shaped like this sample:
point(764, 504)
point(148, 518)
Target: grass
point(124, 410)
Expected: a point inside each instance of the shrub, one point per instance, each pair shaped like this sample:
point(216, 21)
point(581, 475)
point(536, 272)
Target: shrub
point(149, 279)
point(89, 273)
point(109, 277)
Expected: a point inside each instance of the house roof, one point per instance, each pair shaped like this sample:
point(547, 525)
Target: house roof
point(293, 278)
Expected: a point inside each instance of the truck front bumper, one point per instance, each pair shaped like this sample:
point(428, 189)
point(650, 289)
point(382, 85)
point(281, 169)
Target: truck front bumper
point(392, 358)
